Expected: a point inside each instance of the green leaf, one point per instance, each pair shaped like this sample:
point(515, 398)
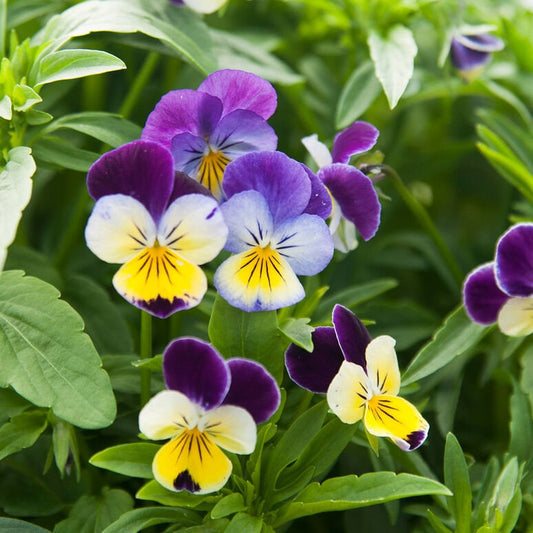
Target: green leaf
point(521, 425)
point(352, 492)
point(230, 504)
point(357, 95)
point(15, 193)
point(6, 109)
point(11, 404)
point(24, 98)
point(61, 154)
point(454, 338)
point(133, 460)
point(505, 490)
point(99, 313)
point(251, 335)
point(298, 331)
point(244, 523)
point(436, 524)
point(526, 379)
point(47, 358)
point(393, 56)
point(11, 525)
point(139, 519)
point(21, 432)
point(106, 127)
point(91, 514)
point(153, 491)
point(457, 479)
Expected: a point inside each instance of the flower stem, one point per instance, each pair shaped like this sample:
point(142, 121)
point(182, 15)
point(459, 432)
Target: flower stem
point(138, 85)
point(145, 353)
point(419, 212)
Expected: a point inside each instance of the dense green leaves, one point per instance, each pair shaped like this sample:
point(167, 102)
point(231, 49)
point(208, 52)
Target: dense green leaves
point(47, 358)
point(139, 519)
point(21, 432)
point(128, 459)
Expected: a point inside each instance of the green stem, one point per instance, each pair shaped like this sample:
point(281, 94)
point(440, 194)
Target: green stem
point(145, 353)
point(138, 85)
point(419, 212)
point(3, 24)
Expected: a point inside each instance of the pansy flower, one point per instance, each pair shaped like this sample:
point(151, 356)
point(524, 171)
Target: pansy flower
point(360, 377)
point(355, 201)
point(159, 225)
point(210, 404)
point(275, 214)
point(502, 291)
point(472, 49)
point(220, 121)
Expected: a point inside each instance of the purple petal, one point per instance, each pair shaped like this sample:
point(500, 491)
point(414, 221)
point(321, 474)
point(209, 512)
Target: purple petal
point(188, 151)
point(141, 169)
point(320, 201)
point(352, 335)
point(182, 111)
point(281, 180)
point(482, 42)
point(355, 195)
point(314, 371)
point(194, 368)
point(183, 185)
point(514, 261)
point(253, 389)
point(481, 295)
point(241, 90)
point(241, 132)
point(466, 57)
point(359, 137)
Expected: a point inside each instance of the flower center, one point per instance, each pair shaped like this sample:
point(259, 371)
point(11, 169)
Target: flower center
point(261, 267)
point(211, 171)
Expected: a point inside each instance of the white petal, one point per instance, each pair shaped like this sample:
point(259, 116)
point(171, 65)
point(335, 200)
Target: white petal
point(119, 228)
point(345, 236)
point(204, 6)
point(231, 428)
point(168, 414)
point(516, 317)
point(318, 150)
point(382, 365)
point(194, 228)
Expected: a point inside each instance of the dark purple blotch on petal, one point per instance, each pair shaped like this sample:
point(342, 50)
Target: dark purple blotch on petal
point(183, 184)
point(194, 368)
point(356, 196)
point(184, 481)
point(359, 137)
point(352, 335)
point(320, 201)
point(514, 261)
point(314, 371)
point(141, 169)
point(482, 297)
point(161, 307)
point(416, 439)
point(253, 389)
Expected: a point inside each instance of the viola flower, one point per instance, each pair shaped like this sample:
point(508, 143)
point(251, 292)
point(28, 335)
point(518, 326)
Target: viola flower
point(159, 225)
point(201, 6)
point(360, 377)
point(502, 291)
point(275, 214)
point(220, 121)
point(210, 404)
point(355, 201)
point(472, 49)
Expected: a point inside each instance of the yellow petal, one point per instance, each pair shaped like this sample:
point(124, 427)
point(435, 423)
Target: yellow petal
point(211, 172)
point(382, 365)
point(396, 418)
point(191, 462)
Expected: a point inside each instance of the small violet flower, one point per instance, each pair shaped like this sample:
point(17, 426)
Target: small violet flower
point(201, 6)
point(210, 404)
point(502, 291)
point(360, 377)
point(159, 224)
point(275, 214)
point(471, 50)
point(355, 201)
point(220, 121)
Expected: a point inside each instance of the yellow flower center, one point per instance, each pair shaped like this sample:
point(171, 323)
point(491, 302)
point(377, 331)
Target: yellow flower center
point(211, 171)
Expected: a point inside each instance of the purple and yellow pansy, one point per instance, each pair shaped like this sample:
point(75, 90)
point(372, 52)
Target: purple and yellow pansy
point(355, 201)
point(360, 377)
point(210, 404)
point(275, 214)
point(160, 225)
point(207, 128)
point(502, 291)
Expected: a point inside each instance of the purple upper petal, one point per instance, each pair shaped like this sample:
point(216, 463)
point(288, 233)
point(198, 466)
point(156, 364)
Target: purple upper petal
point(282, 181)
point(183, 185)
point(352, 335)
point(141, 169)
point(359, 137)
point(482, 42)
point(314, 371)
point(241, 90)
point(182, 111)
point(355, 195)
point(481, 295)
point(194, 368)
point(253, 389)
point(514, 261)
point(320, 201)
point(465, 59)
